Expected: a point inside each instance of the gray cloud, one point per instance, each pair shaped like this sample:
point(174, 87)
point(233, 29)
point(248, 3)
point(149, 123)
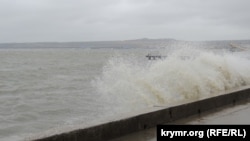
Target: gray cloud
point(84, 20)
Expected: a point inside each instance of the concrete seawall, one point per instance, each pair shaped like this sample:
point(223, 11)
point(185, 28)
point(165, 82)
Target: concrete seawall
point(129, 124)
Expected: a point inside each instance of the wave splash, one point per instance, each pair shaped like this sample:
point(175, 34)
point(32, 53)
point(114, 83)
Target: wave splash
point(186, 74)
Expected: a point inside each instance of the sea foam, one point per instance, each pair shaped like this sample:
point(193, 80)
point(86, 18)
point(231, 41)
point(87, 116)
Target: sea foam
point(186, 74)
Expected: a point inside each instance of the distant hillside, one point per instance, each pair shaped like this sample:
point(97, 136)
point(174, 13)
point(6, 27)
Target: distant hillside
point(137, 43)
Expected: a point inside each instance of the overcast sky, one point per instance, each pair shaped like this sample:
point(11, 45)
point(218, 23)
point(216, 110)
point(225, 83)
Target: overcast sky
point(94, 20)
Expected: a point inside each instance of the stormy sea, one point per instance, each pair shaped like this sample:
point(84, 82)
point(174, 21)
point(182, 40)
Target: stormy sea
point(49, 86)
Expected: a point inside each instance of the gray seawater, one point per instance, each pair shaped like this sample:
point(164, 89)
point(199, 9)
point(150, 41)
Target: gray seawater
point(44, 88)
point(41, 89)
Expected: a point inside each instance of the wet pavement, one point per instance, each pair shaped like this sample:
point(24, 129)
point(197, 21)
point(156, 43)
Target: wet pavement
point(237, 114)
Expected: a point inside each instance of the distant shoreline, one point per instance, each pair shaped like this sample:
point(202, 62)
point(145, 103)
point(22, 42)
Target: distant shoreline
point(137, 43)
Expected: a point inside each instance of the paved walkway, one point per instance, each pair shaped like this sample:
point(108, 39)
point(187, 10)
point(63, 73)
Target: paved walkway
point(238, 114)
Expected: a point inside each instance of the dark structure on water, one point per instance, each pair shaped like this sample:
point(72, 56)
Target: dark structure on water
point(155, 57)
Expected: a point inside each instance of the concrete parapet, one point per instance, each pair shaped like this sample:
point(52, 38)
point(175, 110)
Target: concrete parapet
point(145, 120)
